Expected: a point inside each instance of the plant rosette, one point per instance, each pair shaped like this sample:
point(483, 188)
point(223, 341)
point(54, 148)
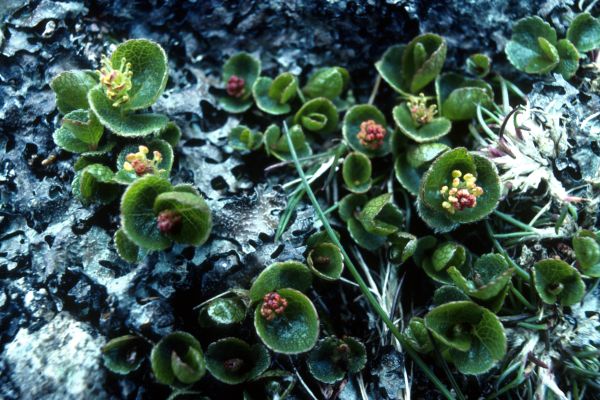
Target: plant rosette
point(332, 358)
point(417, 121)
point(81, 132)
point(556, 281)
point(411, 67)
point(473, 335)
point(95, 183)
point(273, 96)
point(459, 187)
point(155, 213)
point(242, 138)
point(533, 48)
point(133, 78)
point(276, 144)
point(233, 361)
point(325, 260)
point(124, 354)
point(287, 322)
point(446, 255)
point(487, 278)
point(587, 252)
point(240, 72)
point(356, 172)
point(349, 210)
point(412, 162)
point(380, 216)
point(458, 97)
point(177, 360)
point(318, 116)
point(366, 131)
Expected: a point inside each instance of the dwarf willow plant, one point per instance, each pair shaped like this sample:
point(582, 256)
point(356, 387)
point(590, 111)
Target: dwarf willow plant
point(535, 49)
point(121, 145)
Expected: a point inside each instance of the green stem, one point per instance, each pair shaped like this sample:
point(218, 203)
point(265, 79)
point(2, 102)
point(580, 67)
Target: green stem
point(522, 298)
point(359, 280)
point(520, 271)
point(332, 208)
point(514, 221)
point(300, 95)
point(513, 235)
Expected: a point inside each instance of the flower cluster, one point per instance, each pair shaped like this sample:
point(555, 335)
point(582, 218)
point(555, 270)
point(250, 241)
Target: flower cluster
point(463, 193)
point(117, 82)
point(168, 221)
point(273, 305)
point(140, 164)
point(235, 86)
point(371, 134)
point(233, 364)
point(419, 111)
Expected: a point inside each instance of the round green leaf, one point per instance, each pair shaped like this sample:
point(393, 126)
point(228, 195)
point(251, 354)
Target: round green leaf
point(458, 96)
point(233, 361)
point(411, 163)
point(164, 167)
point(326, 82)
point(318, 115)
point(447, 255)
point(125, 247)
point(556, 281)
point(150, 71)
point(71, 89)
point(474, 334)
point(123, 354)
point(332, 358)
point(326, 261)
point(363, 238)
point(121, 122)
point(587, 252)
point(422, 60)
point(266, 103)
point(288, 274)
point(584, 32)
point(402, 247)
point(479, 65)
point(569, 58)
point(65, 139)
point(318, 238)
point(235, 105)
point(84, 125)
point(356, 172)
point(295, 331)
point(448, 293)
point(243, 138)
point(177, 360)
point(244, 66)
point(138, 218)
point(351, 205)
point(390, 67)
point(354, 117)
point(276, 143)
point(530, 46)
point(429, 132)
point(196, 218)
point(439, 174)
point(417, 336)
point(222, 312)
point(96, 184)
point(170, 134)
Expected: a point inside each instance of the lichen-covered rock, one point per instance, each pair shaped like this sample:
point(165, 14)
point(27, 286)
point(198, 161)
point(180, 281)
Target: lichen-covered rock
point(60, 361)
